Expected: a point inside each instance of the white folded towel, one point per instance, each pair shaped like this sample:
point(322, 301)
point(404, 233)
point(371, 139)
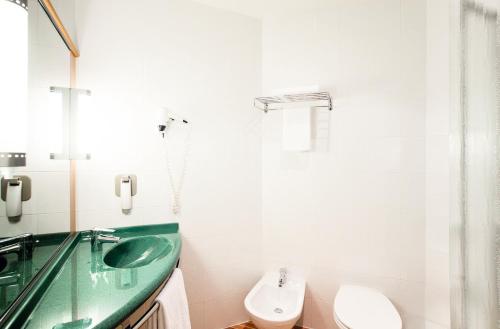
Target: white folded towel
point(297, 129)
point(174, 309)
point(297, 121)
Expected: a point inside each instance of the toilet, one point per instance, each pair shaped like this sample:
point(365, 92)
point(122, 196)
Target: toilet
point(273, 307)
point(358, 307)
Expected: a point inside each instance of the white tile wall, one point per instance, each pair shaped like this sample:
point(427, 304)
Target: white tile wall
point(369, 209)
point(356, 213)
point(437, 180)
point(49, 62)
point(205, 64)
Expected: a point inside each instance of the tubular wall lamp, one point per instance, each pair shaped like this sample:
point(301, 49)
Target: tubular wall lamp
point(13, 104)
point(13, 82)
point(70, 111)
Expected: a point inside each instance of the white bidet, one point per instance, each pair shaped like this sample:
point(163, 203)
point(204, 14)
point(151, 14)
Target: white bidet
point(276, 301)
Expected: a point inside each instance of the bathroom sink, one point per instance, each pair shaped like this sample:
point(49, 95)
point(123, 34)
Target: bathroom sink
point(137, 252)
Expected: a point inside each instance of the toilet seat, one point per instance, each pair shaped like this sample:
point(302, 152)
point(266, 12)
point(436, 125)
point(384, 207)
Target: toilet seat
point(363, 308)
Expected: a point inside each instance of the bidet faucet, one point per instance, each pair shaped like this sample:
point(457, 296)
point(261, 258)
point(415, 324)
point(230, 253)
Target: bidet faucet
point(282, 280)
point(97, 238)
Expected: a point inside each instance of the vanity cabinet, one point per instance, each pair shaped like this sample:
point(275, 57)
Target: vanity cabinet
point(146, 316)
point(150, 319)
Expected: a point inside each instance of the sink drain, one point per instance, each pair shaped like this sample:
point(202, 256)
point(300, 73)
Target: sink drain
point(278, 310)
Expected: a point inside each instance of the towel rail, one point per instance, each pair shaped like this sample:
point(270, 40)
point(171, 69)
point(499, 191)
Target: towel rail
point(147, 316)
point(313, 100)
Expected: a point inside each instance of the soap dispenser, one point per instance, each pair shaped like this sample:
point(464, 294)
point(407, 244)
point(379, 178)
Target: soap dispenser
point(13, 198)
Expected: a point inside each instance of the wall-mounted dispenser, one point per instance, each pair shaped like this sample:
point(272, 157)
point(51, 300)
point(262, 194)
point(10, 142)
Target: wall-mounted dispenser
point(125, 189)
point(14, 191)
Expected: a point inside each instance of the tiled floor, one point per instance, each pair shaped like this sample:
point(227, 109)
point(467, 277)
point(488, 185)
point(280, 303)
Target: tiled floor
point(250, 325)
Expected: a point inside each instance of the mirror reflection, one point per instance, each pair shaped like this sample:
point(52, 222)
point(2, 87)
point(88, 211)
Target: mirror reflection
point(34, 203)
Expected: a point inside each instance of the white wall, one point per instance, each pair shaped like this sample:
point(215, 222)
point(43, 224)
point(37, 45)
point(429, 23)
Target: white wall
point(354, 213)
point(437, 180)
point(205, 64)
point(367, 206)
point(48, 65)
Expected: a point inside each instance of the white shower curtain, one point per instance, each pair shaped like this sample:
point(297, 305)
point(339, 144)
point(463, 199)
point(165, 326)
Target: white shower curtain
point(480, 167)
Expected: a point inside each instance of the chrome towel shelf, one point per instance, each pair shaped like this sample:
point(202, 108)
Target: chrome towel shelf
point(313, 100)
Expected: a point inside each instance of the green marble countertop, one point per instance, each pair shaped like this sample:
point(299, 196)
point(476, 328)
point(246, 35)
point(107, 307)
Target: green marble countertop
point(86, 293)
point(18, 273)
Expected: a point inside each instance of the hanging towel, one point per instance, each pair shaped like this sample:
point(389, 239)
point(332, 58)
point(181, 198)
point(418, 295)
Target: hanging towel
point(174, 309)
point(297, 121)
point(297, 129)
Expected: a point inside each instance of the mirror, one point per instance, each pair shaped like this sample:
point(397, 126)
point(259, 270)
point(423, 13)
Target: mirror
point(35, 190)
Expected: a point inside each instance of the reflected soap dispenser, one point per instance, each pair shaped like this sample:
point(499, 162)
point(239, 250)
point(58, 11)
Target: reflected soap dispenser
point(14, 192)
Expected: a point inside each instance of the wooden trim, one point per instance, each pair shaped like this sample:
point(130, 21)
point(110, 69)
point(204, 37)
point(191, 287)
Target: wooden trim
point(72, 71)
point(149, 319)
point(58, 24)
point(72, 163)
point(72, 195)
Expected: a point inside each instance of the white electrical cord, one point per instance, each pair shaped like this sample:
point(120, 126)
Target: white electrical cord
point(177, 188)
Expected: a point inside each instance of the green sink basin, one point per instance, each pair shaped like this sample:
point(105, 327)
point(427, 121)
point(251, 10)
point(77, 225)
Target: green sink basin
point(137, 252)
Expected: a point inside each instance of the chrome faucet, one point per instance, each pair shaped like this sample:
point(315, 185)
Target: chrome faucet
point(97, 238)
point(282, 280)
point(22, 245)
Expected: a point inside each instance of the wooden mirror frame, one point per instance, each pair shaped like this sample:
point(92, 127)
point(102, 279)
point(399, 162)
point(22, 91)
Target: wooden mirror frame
point(75, 53)
point(58, 24)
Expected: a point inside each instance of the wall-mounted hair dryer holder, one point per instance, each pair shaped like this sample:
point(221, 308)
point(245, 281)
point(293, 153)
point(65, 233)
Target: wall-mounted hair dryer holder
point(167, 118)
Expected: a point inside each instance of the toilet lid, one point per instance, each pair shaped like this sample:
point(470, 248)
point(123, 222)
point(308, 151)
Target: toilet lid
point(362, 308)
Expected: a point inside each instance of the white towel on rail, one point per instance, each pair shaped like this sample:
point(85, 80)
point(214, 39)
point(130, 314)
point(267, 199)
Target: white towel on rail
point(174, 309)
point(297, 122)
point(297, 129)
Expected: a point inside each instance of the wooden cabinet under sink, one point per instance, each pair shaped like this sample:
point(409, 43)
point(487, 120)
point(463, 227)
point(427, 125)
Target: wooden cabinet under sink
point(146, 316)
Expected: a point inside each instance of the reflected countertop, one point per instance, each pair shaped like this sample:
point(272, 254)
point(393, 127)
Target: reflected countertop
point(16, 274)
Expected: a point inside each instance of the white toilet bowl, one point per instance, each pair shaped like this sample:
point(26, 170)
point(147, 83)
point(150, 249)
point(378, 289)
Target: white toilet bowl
point(363, 308)
point(274, 307)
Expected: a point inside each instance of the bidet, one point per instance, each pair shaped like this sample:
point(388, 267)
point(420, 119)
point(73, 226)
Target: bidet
point(277, 300)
